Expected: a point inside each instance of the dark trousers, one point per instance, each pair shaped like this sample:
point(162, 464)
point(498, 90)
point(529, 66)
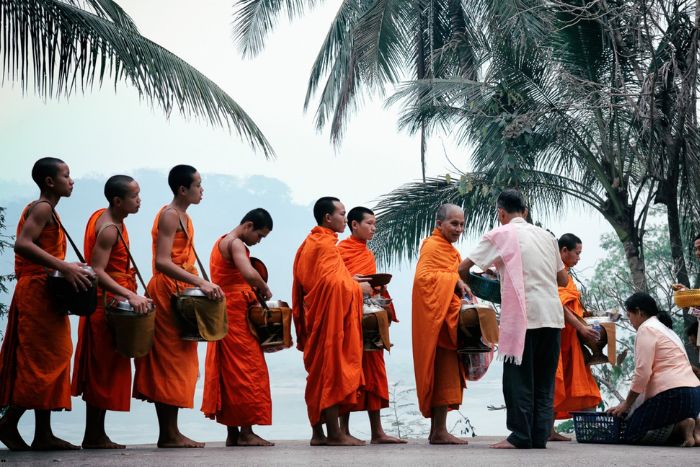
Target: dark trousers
point(528, 389)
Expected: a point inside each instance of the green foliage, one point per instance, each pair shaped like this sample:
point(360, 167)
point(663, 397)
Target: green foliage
point(567, 426)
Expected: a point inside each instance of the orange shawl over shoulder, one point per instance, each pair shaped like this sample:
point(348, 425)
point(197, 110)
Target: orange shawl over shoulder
point(100, 374)
point(236, 380)
point(375, 395)
point(434, 325)
point(36, 350)
point(327, 309)
point(574, 387)
point(168, 373)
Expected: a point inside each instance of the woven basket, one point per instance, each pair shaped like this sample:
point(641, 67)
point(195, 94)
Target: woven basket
point(485, 289)
point(687, 298)
point(598, 427)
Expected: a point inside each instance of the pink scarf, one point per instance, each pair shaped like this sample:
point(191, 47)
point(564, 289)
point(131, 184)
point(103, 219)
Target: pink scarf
point(513, 323)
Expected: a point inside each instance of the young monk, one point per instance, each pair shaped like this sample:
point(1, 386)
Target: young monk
point(168, 374)
point(437, 293)
point(574, 387)
point(100, 374)
point(236, 381)
point(327, 308)
point(36, 349)
point(360, 261)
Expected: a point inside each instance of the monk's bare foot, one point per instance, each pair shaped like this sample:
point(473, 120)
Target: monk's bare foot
point(52, 443)
point(696, 432)
point(344, 440)
point(245, 439)
point(101, 442)
point(10, 437)
point(446, 438)
point(318, 438)
point(503, 445)
point(558, 437)
point(179, 441)
point(386, 439)
point(687, 431)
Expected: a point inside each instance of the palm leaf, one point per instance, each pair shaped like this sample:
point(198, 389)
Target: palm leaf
point(62, 49)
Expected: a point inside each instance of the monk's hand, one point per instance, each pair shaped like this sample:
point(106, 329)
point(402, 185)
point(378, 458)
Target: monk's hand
point(619, 410)
point(141, 305)
point(463, 290)
point(212, 291)
point(78, 277)
point(266, 293)
point(366, 288)
point(588, 334)
point(678, 287)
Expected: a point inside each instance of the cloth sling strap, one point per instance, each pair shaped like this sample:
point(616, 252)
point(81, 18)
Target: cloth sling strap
point(128, 252)
point(80, 256)
point(199, 262)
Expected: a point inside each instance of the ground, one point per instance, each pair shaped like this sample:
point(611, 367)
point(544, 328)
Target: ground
point(416, 452)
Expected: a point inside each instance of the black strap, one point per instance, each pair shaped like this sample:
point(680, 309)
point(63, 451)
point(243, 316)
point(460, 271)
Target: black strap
point(72, 243)
point(199, 262)
point(128, 252)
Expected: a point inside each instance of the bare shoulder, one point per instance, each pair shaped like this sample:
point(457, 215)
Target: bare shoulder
point(169, 220)
point(40, 212)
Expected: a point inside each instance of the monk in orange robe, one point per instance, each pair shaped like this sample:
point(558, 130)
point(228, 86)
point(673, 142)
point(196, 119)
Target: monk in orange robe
point(327, 310)
point(437, 292)
point(236, 381)
point(100, 374)
point(168, 374)
point(36, 349)
point(360, 261)
point(575, 387)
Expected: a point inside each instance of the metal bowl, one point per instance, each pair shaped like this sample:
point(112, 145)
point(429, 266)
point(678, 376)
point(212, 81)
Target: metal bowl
point(193, 292)
point(57, 273)
point(277, 304)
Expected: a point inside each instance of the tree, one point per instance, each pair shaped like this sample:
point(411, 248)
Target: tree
point(4, 243)
point(66, 46)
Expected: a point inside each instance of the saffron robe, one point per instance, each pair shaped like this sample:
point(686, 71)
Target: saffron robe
point(440, 376)
point(375, 395)
point(168, 374)
point(575, 387)
point(100, 373)
point(236, 380)
point(327, 310)
point(37, 346)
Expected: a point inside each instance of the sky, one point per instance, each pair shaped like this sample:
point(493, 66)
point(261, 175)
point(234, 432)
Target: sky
point(104, 132)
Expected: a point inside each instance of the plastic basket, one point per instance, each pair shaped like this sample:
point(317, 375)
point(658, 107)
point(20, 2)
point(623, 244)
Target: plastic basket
point(687, 298)
point(598, 427)
point(485, 289)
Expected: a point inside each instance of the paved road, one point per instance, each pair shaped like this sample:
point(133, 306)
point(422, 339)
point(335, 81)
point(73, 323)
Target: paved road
point(417, 452)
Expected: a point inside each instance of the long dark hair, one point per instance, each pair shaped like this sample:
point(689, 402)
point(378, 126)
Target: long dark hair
point(645, 303)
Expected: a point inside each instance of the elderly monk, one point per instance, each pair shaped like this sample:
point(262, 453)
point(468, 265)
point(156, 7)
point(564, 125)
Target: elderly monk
point(327, 310)
point(437, 293)
point(168, 374)
point(36, 349)
point(574, 387)
point(100, 374)
point(360, 260)
point(530, 268)
point(236, 381)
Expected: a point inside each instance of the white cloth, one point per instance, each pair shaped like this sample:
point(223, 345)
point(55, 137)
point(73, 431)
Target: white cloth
point(541, 261)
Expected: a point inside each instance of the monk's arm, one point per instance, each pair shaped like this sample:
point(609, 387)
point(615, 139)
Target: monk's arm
point(26, 246)
point(586, 332)
point(167, 227)
point(251, 276)
point(464, 268)
point(562, 278)
point(101, 252)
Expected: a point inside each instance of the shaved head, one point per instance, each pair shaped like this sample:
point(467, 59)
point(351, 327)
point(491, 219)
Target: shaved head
point(445, 210)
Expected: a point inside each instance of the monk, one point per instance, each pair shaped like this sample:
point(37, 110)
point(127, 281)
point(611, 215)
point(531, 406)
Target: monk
point(360, 261)
point(168, 374)
point(574, 387)
point(437, 293)
point(327, 310)
point(100, 374)
point(36, 349)
point(236, 381)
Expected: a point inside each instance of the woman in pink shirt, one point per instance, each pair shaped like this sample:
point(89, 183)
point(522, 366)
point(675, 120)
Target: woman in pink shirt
point(664, 400)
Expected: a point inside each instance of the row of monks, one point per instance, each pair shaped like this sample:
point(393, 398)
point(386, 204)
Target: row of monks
point(327, 297)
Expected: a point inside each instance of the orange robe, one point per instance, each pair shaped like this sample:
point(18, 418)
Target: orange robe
point(327, 310)
point(236, 381)
point(440, 377)
point(37, 346)
point(375, 395)
point(574, 387)
point(100, 373)
point(168, 373)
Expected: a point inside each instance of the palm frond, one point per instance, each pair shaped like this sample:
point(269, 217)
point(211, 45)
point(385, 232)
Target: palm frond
point(63, 49)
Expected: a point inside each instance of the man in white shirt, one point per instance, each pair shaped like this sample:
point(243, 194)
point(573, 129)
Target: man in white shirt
point(530, 268)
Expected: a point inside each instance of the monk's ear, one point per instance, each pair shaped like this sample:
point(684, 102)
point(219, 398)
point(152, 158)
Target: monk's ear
point(49, 182)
